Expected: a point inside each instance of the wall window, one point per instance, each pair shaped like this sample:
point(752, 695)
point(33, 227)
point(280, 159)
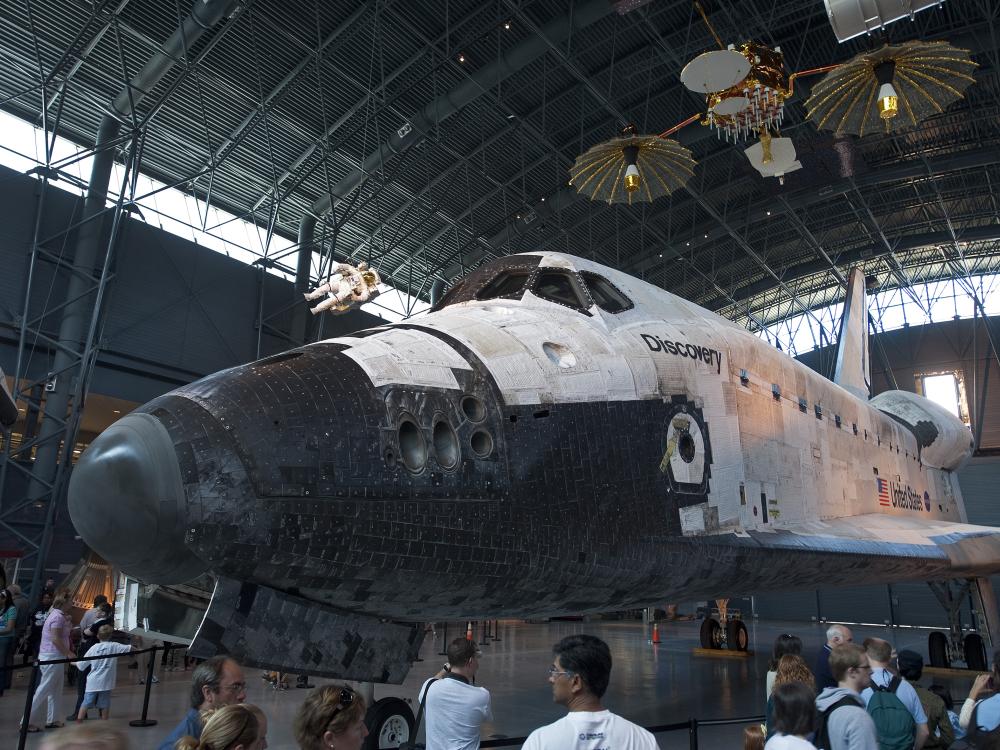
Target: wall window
point(946, 389)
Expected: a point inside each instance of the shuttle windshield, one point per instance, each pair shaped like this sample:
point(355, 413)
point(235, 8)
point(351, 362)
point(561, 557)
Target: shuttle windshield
point(560, 287)
point(503, 278)
point(605, 294)
point(507, 284)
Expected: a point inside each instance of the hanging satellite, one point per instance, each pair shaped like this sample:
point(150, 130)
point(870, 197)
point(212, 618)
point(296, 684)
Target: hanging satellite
point(755, 103)
point(745, 89)
point(632, 168)
point(773, 157)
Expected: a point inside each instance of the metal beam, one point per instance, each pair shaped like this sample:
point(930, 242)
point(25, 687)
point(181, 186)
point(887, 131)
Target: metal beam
point(470, 89)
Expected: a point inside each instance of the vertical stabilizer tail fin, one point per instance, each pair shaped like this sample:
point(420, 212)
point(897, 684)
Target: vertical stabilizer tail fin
point(852, 370)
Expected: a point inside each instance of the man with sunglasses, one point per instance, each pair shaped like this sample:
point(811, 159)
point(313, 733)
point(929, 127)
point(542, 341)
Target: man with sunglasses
point(216, 682)
point(455, 708)
point(844, 724)
point(579, 676)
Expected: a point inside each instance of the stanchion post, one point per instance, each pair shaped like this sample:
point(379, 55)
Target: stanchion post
point(444, 642)
point(483, 641)
point(143, 721)
point(22, 738)
point(693, 735)
point(496, 630)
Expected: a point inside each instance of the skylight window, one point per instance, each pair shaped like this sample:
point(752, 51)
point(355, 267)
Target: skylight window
point(946, 389)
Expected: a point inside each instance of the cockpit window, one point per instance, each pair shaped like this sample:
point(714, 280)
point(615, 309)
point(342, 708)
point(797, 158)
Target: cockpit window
point(561, 287)
point(605, 294)
point(506, 284)
point(474, 285)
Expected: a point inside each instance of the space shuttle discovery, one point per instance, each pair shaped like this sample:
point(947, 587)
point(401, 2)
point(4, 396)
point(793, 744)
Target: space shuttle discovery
point(554, 437)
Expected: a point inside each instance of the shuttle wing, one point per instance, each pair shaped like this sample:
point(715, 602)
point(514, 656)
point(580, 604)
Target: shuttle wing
point(960, 550)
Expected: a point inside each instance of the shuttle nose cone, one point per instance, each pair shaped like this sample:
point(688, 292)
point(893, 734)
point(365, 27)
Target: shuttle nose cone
point(126, 499)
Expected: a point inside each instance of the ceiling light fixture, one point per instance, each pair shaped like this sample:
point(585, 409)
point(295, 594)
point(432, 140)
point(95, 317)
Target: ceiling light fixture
point(632, 179)
point(890, 89)
point(461, 57)
point(506, 25)
point(888, 99)
point(632, 168)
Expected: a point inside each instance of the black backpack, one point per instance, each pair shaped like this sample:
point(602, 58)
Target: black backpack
point(976, 738)
point(822, 738)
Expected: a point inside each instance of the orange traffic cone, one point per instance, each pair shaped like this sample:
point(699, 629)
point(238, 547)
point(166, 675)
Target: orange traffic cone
point(468, 631)
point(656, 633)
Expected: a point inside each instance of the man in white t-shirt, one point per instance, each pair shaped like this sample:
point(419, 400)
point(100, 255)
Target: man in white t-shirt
point(579, 676)
point(455, 708)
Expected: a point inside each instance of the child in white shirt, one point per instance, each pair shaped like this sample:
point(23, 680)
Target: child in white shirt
point(103, 673)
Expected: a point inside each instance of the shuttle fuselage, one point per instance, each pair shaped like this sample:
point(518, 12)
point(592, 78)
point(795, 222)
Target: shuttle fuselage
point(556, 437)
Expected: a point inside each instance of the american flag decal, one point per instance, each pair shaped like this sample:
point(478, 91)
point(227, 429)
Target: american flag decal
point(883, 492)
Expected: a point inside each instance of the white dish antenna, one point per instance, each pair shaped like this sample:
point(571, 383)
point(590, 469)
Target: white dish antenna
point(715, 71)
point(779, 162)
point(731, 105)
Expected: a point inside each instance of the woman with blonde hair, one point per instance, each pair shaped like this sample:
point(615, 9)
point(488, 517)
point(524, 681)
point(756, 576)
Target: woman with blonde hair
point(332, 718)
point(93, 736)
point(236, 727)
point(791, 668)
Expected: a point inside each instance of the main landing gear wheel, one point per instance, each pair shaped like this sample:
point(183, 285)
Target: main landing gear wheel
point(711, 633)
point(937, 649)
point(975, 652)
point(736, 635)
point(390, 724)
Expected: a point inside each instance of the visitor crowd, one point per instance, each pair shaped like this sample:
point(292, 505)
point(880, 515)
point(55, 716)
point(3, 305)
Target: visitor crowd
point(855, 697)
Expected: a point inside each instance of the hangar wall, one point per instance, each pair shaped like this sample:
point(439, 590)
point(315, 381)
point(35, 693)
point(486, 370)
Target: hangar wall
point(176, 311)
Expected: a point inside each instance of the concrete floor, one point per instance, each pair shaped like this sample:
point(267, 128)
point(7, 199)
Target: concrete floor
point(649, 685)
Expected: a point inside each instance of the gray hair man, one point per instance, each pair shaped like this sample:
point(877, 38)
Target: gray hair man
point(836, 635)
point(216, 682)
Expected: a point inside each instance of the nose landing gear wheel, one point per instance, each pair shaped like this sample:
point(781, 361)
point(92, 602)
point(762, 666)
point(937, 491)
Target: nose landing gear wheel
point(711, 633)
point(390, 724)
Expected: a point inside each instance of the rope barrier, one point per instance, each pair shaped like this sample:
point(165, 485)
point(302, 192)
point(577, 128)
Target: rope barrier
point(35, 666)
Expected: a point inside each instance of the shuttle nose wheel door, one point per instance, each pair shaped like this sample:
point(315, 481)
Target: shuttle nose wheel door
point(724, 628)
